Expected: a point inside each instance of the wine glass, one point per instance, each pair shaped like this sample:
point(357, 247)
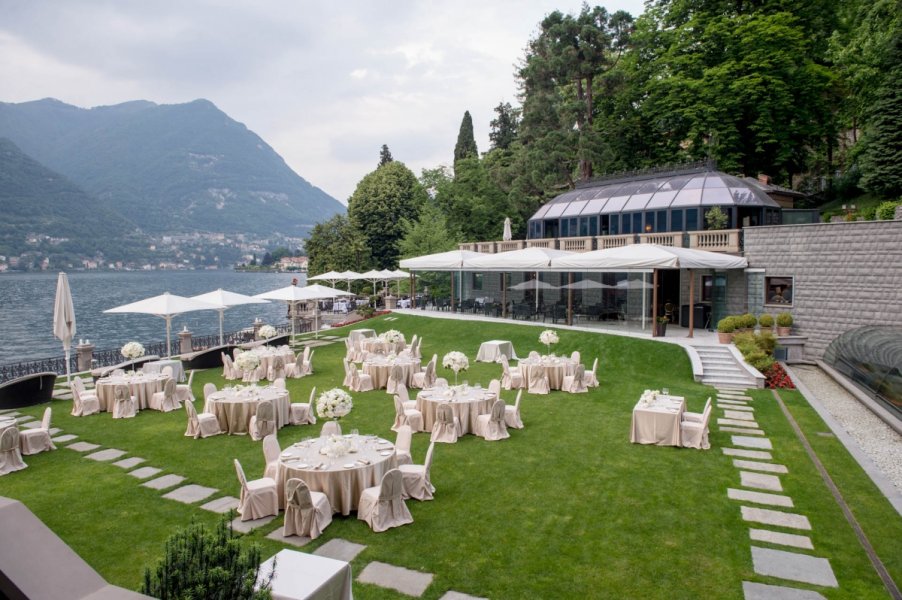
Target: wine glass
point(355, 433)
point(665, 391)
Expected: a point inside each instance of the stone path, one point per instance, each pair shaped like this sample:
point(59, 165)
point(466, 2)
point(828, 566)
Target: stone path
point(764, 504)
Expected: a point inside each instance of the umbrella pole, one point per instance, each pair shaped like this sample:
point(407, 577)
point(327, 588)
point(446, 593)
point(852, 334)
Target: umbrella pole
point(570, 299)
point(221, 312)
point(691, 304)
point(168, 336)
point(67, 365)
point(537, 293)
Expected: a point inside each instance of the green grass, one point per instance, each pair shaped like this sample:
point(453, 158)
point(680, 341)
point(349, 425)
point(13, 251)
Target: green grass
point(566, 508)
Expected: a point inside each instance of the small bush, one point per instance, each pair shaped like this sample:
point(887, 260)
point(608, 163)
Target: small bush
point(766, 320)
point(784, 319)
point(749, 320)
point(366, 311)
point(887, 210)
point(766, 341)
point(760, 360)
point(745, 342)
point(726, 325)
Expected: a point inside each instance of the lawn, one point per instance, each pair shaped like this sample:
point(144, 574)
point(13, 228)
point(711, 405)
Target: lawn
point(566, 508)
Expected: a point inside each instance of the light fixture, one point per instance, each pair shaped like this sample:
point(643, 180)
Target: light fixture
point(648, 228)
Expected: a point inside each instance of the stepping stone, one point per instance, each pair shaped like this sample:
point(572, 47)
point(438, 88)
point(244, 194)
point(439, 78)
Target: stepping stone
point(750, 442)
point(161, 483)
point(412, 583)
point(759, 497)
point(32, 425)
point(144, 472)
point(759, 466)
point(340, 549)
point(83, 446)
point(65, 438)
point(24, 419)
point(54, 430)
point(294, 540)
point(248, 526)
point(221, 505)
point(759, 454)
point(731, 402)
point(9, 412)
point(792, 566)
point(104, 455)
point(452, 595)
point(190, 493)
point(775, 517)
point(739, 415)
point(741, 430)
point(760, 481)
point(784, 539)
point(738, 423)
point(128, 463)
point(741, 408)
point(760, 591)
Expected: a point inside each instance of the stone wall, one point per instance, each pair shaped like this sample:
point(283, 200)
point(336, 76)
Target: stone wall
point(845, 274)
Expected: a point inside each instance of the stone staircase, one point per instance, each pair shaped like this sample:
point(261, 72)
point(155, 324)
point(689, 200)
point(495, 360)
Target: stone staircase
point(721, 370)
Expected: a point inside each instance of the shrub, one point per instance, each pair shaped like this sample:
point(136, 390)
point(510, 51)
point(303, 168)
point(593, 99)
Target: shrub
point(749, 320)
point(766, 341)
point(745, 342)
point(760, 360)
point(784, 319)
point(726, 325)
point(766, 320)
point(887, 210)
point(366, 311)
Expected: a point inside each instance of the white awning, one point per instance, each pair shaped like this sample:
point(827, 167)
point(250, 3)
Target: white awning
point(443, 261)
point(647, 256)
point(525, 259)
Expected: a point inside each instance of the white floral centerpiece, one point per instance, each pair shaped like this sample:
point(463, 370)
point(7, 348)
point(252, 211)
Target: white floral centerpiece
point(336, 446)
point(266, 332)
point(132, 350)
point(649, 396)
point(549, 338)
point(334, 404)
point(247, 362)
point(457, 362)
point(392, 336)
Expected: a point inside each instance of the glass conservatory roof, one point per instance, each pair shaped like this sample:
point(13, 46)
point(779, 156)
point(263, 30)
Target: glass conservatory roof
point(871, 357)
point(657, 191)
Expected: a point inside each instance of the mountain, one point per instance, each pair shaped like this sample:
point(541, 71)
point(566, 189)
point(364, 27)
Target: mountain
point(176, 168)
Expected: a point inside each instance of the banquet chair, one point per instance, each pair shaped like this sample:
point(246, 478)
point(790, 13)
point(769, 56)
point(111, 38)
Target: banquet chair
point(209, 388)
point(295, 369)
point(538, 380)
point(695, 434)
point(382, 506)
point(492, 426)
point(167, 372)
point(511, 378)
point(495, 387)
point(360, 382)
point(118, 373)
point(279, 384)
point(697, 417)
point(446, 428)
point(407, 416)
point(402, 445)
point(575, 383)
point(349, 378)
point(426, 377)
point(303, 414)
point(534, 355)
point(307, 513)
point(166, 400)
point(402, 393)
point(591, 377)
point(200, 424)
point(183, 390)
point(395, 378)
point(512, 413)
point(258, 497)
point(32, 441)
point(10, 456)
point(575, 359)
point(307, 366)
point(263, 422)
point(271, 451)
point(125, 406)
point(84, 403)
point(229, 371)
point(349, 350)
point(416, 478)
point(276, 369)
point(330, 428)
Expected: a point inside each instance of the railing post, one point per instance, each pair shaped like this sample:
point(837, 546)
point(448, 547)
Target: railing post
point(85, 356)
point(185, 341)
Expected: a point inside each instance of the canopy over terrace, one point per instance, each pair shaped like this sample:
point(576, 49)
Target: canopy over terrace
point(451, 261)
point(525, 259)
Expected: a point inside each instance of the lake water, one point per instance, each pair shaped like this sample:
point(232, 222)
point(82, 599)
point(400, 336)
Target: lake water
point(26, 307)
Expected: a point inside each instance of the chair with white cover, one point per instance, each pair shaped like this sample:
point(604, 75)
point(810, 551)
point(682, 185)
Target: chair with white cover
point(279, 383)
point(492, 426)
point(416, 478)
point(402, 393)
point(382, 506)
point(330, 428)
point(446, 428)
point(591, 376)
point(534, 355)
point(10, 455)
point(495, 387)
point(395, 378)
point(125, 406)
point(512, 413)
point(360, 382)
point(258, 497)
point(348, 376)
point(209, 388)
point(200, 424)
point(295, 368)
point(229, 370)
point(166, 400)
point(407, 416)
point(271, 451)
point(84, 403)
point(426, 377)
point(511, 378)
point(697, 417)
point(276, 368)
point(575, 383)
point(167, 372)
point(402, 445)
point(307, 513)
point(183, 390)
point(303, 414)
point(32, 441)
point(694, 434)
point(307, 364)
point(263, 422)
point(575, 359)
point(538, 380)
point(118, 373)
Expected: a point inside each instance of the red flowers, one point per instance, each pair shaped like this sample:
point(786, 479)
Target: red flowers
point(777, 378)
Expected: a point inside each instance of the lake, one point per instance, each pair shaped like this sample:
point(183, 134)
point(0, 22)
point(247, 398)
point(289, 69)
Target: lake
point(26, 307)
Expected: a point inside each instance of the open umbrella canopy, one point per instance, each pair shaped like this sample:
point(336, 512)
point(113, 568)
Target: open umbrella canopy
point(525, 259)
point(533, 284)
point(452, 260)
point(293, 293)
point(506, 234)
point(330, 276)
point(64, 316)
point(225, 299)
point(586, 284)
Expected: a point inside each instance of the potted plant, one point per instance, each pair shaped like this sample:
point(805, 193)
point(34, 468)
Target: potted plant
point(749, 321)
point(661, 326)
point(766, 321)
point(725, 329)
point(784, 323)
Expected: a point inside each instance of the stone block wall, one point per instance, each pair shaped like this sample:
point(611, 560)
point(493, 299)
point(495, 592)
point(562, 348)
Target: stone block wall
point(846, 274)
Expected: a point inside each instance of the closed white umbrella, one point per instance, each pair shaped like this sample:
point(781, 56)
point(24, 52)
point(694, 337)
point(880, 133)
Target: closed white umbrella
point(224, 299)
point(64, 316)
point(166, 306)
point(506, 236)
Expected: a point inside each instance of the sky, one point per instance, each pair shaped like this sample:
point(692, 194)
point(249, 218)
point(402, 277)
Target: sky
point(324, 83)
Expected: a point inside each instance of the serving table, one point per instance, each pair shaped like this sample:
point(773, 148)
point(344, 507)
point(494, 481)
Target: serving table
point(305, 576)
point(492, 350)
point(140, 385)
point(658, 422)
point(466, 402)
point(234, 407)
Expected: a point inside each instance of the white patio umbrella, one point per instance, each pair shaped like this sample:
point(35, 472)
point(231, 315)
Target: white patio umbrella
point(398, 275)
point(374, 276)
point(293, 293)
point(64, 317)
point(166, 306)
point(224, 299)
point(330, 276)
point(350, 276)
point(586, 284)
point(533, 284)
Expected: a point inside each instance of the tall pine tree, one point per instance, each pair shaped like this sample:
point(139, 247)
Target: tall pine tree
point(385, 155)
point(504, 128)
point(881, 162)
point(466, 142)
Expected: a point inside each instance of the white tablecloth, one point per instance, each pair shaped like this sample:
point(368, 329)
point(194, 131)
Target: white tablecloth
point(178, 372)
point(141, 385)
point(234, 409)
point(358, 334)
point(300, 575)
point(554, 367)
point(658, 422)
point(492, 350)
point(379, 368)
point(466, 405)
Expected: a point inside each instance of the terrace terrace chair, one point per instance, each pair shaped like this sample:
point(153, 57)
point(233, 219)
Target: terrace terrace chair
point(167, 372)
point(360, 382)
point(426, 377)
point(10, 456)
point(201, 424)
point(271, 451)
point(395, 378)
point(330, 428)
point(382, 506)
point(402, 445)
point(446, 428)
point(33, 441)
point(276, 369)
point(591, 378)
point(228, 368)
point(295, 369)
point(492, 427)
point(303, 414)
point(694, 434)
point(511, 378)
point(402, 393)
point(209, 388)
point(697, 417)
point(407, 416)
point(308, 361)
point(183, 390)
point(125, 406)
point(84, 403)
point(348, 376)
point(416, 478)
point(495, 387)
point(538, 381)
point(307, 513)
point(512, 413)
point(166, 400)
point(576, 383)
point(264, 422)
point(258, 497)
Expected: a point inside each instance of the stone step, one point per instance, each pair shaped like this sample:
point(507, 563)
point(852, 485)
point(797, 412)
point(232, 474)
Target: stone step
point(793, 566)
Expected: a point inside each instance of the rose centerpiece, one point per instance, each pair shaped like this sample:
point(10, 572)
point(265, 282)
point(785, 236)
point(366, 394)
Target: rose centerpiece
point(334, 404)
point(649, 396)
point(392, 336)
point(266, 332)
point(247, 362)
point(132, 350)
point(549, 338)
point(457, 362)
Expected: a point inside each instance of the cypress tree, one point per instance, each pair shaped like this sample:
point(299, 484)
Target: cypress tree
point(385, 155)
point(466, 142)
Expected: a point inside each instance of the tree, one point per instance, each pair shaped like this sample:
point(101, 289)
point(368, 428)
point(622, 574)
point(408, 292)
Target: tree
point(336, 246)
point(474, 205)
point(881, 160)
point(429, 234)
point(504, 127)
point(466, 142)
point(385, 155)
point(381, 200)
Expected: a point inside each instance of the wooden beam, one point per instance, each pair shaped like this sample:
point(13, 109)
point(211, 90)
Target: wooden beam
point(691, 304)
point(654, 303)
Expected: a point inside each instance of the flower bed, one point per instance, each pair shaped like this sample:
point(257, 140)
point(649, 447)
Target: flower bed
point(778, 378)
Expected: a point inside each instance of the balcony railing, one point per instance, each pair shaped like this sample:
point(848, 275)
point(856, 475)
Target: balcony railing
point(614, 241)
point(674, 239)
point(577, 244)
point(723, 240)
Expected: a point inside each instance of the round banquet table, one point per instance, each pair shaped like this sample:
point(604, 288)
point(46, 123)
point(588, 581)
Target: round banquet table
point(466, 404)
point(343, 478)
point(379, 346)
point(141, 385)
point(379, 368)
point(267, 353)
point(7, 422)
point(355, 335)
point(234, 408)
point(555, 368)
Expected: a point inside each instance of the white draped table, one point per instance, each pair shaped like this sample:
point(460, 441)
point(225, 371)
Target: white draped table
point(658, 422)
point(355, 335)
point(235, 407)
point(492, 350)
point(467, 403)
point(379, 368)
point(555, 367)
point(140, 385)
point(156, 366)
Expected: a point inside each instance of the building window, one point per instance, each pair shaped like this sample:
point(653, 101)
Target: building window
point(691, 219)
point(778, 291)
point(477, 281)
point(707, 286)
point(676, 220)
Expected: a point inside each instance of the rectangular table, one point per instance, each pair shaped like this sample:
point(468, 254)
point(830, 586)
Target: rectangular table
point(659, 422)
point(299, 575)
point(492, 350)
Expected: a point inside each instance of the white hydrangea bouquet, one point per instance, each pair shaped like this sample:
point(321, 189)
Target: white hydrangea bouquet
point(392, 336)
point(549, 338)
point(649, 396)
point(247, 362)
point(132, 350)
point(336, 446)
point(267, 331)
point(334, 404)
point(457, 362)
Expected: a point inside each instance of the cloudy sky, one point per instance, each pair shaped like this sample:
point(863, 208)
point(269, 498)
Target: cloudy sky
point(324, 83)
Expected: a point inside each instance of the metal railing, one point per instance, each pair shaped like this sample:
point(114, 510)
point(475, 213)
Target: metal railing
point(56, 365)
